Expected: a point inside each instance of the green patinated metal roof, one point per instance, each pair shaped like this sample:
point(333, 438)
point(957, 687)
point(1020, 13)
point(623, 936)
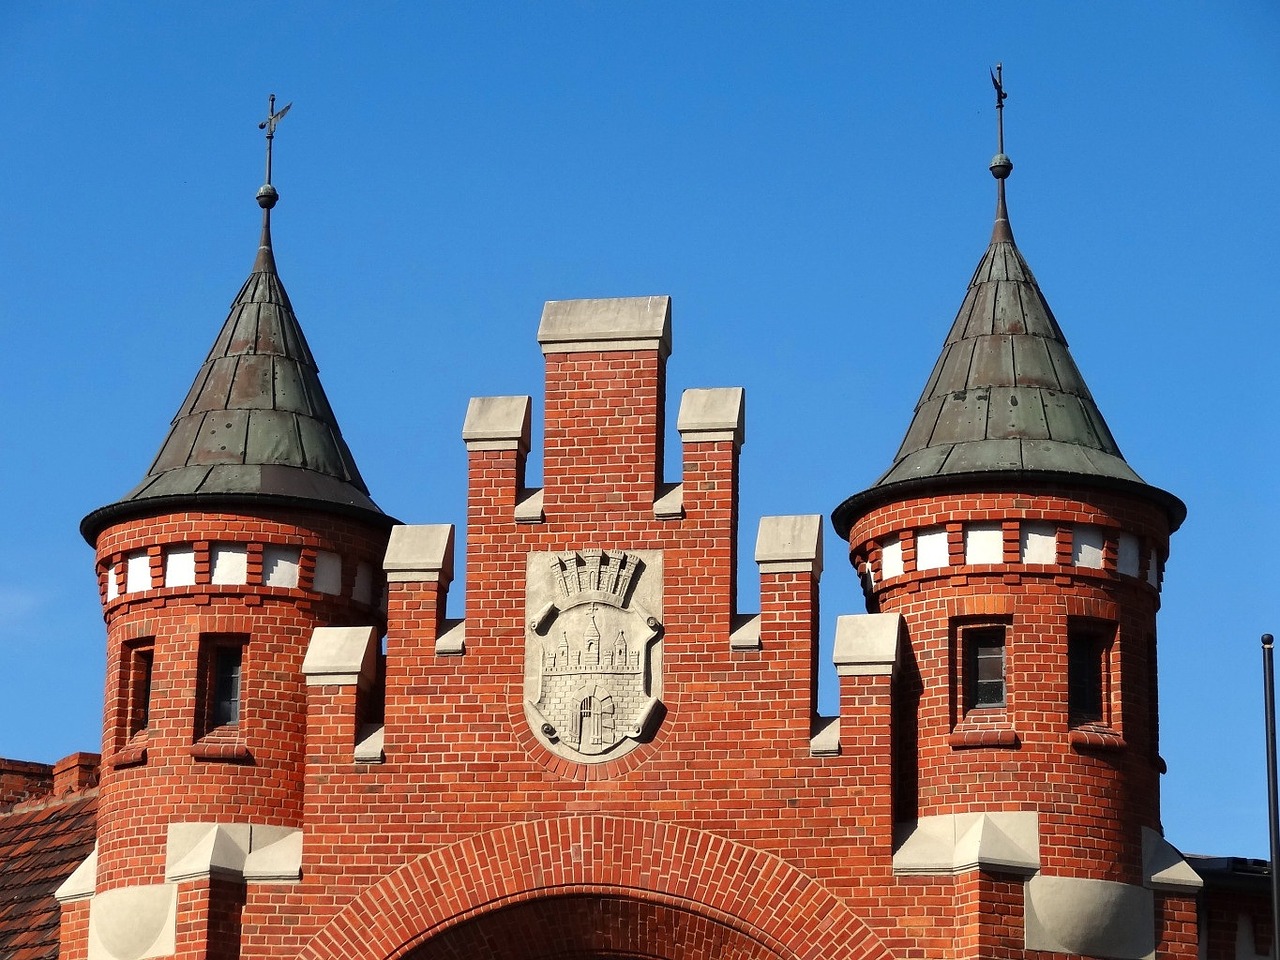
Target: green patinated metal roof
point(256, 426)
point(1005, 400)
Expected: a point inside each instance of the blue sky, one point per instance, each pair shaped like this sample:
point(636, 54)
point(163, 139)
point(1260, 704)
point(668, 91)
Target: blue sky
point(807, 181)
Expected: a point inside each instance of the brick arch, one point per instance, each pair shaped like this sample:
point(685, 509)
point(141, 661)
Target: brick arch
point(633, 875)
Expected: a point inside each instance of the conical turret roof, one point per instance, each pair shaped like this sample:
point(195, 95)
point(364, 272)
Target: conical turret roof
point(1005, 401)
point(256, 427)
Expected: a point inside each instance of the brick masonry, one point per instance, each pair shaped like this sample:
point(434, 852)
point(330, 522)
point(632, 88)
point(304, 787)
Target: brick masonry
point(722, 833)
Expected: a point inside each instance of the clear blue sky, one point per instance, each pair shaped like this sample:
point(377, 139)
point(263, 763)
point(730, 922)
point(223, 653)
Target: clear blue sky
point(808, 181)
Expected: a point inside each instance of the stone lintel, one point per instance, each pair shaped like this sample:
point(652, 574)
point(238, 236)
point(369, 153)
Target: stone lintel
point(790, 544)
point(1094, 918)
point(1163, 867)
point(949, 844)
point(713, 414)
point(422, 552)
point(867, 644)
point(341, 655)
point(624, 323)
point(497, 423)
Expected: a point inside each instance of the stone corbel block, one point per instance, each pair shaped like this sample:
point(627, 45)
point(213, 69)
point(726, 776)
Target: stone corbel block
point(201, 849)
point(276, 856)
point(418, 553)
point(627, 323)
point(241, 851)
point(529, 507)
point(824, 737)
point(669, 504)
point(867, 644)
point(713, 414)
point(372, 740)
point(497, 423)
point(134, 923)
point(1094, 918)
point(452, 641)
point(342, 656)
point(745, 634)
point(1163, 867)
point(790, 544)
point(83, 880)
point(948, 844)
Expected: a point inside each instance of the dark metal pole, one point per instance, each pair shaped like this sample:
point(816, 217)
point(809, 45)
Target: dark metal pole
point(1273, 804)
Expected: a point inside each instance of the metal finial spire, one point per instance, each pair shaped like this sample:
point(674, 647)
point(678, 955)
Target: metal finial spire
point(1001, 166)
point(997, 81)
point(267, 194)
point(269, 125)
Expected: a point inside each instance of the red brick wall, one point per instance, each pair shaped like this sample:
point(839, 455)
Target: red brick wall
point(252, 772)
point(21, 780)
point(719, 836)
point(1095, 786)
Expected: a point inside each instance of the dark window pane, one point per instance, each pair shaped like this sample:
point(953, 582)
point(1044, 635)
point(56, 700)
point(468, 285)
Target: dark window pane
point(140, 665)
point(226, 686)
point(1086, 647)
point(984, 667)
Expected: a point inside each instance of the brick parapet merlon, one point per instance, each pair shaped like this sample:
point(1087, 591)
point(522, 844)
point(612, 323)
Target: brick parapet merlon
point(605, 399)
point(419, 569)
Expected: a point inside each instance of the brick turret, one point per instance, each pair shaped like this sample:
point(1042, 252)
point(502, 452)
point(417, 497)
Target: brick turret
point(1025, 556)
point(251, 529)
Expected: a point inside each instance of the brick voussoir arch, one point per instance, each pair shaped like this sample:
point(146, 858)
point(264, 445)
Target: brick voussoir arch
point(755, 893)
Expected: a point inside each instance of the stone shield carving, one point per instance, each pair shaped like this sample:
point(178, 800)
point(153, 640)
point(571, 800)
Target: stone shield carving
point(593, 650)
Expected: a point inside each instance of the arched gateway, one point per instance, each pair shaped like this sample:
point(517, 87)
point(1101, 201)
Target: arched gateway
point(600, 888)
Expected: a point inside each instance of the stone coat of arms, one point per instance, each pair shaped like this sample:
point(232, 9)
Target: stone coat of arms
point(593, 650)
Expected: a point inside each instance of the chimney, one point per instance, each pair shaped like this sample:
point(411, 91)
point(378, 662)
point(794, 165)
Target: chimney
point(75, 772)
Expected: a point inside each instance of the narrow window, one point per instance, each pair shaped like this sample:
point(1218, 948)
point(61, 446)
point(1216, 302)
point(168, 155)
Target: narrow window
point(141, 661)
point(219, 683)
point(226, 686)
point(1088, 644)
point(984, 667)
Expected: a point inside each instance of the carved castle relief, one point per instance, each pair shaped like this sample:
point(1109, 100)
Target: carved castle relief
point(593, 652)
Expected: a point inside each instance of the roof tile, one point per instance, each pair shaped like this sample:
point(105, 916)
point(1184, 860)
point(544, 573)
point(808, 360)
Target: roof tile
point(39, 848)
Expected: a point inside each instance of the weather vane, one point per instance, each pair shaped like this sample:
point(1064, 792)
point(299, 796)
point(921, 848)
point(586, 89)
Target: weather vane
point(997, 81)
point(269, 125)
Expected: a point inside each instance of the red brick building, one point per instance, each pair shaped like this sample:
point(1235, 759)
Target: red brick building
point(309, 751)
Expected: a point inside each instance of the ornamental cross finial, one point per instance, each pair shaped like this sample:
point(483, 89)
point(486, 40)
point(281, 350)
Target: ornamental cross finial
point(269, 125)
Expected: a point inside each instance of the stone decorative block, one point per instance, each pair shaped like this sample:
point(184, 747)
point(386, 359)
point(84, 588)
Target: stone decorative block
point(867, 644)
point(790, 544)
point(593, 650)
point(1163, 867)
point(420, 552)
point(134, 923)
point(1095, 918)
point(627, 323)
point(948, 844)
point(341, 656)
point(497, 423)
point(713, 414)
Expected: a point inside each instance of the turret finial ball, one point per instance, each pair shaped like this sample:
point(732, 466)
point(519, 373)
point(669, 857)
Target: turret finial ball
point(1001, 166)
point(267, 196)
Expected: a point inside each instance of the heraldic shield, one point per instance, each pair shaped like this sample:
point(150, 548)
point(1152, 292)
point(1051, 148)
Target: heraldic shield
point(593, 650)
